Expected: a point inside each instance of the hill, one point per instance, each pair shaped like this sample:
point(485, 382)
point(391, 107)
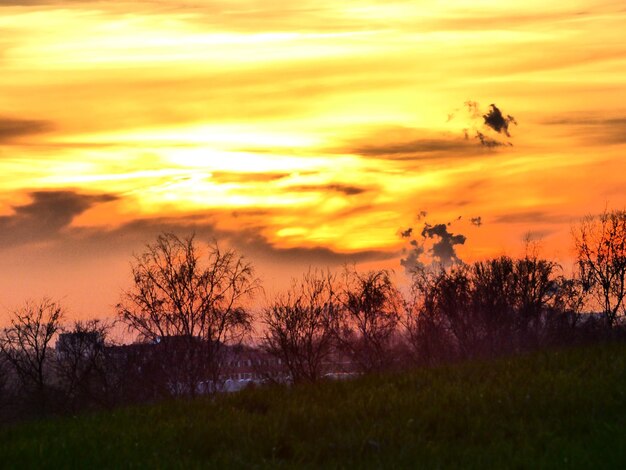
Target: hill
point(564, 408)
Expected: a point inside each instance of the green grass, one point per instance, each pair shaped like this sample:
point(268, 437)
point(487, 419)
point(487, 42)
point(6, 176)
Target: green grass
point(558, 409)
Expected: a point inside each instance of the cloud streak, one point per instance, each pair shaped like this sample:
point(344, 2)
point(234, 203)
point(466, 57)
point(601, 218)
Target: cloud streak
point(532, 217)
point(46, 216)
point(12, 128)
point(595, 130)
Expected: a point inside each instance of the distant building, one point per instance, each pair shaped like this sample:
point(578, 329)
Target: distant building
point(78, 343)
point(166, 360)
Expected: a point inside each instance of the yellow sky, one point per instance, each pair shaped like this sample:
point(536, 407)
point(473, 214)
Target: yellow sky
point(299, 134)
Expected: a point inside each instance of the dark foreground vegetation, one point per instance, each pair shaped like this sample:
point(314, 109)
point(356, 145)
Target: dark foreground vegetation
point(553, 409)
point(189, 310)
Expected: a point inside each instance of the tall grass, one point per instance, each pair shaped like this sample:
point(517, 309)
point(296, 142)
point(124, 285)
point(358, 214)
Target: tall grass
point(558, 409)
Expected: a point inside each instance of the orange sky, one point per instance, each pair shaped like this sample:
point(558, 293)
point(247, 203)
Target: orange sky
point(307, 134)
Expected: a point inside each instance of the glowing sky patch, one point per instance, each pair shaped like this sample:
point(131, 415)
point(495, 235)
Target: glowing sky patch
point(314, 126)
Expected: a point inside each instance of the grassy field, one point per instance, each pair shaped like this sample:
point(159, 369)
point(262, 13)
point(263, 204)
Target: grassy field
point(559, 409)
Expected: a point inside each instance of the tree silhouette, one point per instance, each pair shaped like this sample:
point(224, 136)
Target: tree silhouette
point(300, 325)
point(601, 251)
point(26, 345)
point(190, 302)
point(368, 320)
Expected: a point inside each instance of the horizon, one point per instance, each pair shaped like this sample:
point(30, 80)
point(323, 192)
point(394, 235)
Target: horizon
point(312, 135)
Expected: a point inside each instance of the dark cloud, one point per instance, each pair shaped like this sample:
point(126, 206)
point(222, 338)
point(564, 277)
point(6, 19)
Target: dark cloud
point(406, 233)
point(490, 142)
point(596, 130)
point(348, 190)
point(345, 189)
point(497, 121)
point(536, 235)
point(400, 143)
point(46, 216)
point(588, 121)
point(532, 217)
point(492, 121)
point(11, 128)
point(403, 143)
point(413, 262)
point(412, 148)
point(442, 250)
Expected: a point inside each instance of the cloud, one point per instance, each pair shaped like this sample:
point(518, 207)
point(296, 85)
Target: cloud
point(253, 244)
point(537, 235)
point(49, 216)
point(481, 125)
point(11, 128)
point(532, 217)
point(410, 149)
point(473, 109)
point(403, 143)
point(347, 190)
point(442, 250)
point(496, 121)
point(490, 142)
point(46, 216)
point(400, 143)
point(413, 262)
point(236, 177)
point(596, 130)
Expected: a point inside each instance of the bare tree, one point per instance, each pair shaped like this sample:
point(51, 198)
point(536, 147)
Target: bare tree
point(601, 251)
point(300, 324)
point(426, 325)
point(487, 308)
point(191, 302)
point(26, 344)
point(563, 325)
point(82, 363)
point(369, 316)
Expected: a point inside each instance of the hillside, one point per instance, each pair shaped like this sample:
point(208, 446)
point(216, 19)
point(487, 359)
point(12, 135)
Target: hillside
point(550, 409)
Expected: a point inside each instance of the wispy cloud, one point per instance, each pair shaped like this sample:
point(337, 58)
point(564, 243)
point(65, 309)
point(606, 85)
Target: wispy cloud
point(46, 216)
point(531, 218)
point(593, 129)
point(12, 128)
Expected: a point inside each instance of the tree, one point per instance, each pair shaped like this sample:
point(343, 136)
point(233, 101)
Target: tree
point(368, 320)
point(82, 363)
point(426, 325)
point(600, 243)
point(300, 325)
point(515, 298)
point(189, 302)
point(486, 308)
point(25, 344)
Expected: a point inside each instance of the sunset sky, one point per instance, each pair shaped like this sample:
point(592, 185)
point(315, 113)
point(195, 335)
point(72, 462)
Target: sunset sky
point(304, 134)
